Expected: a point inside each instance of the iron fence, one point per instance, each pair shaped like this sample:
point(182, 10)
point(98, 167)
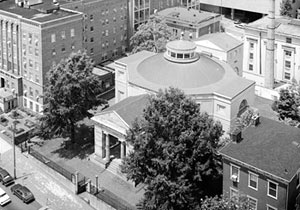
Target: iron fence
point(51, 164)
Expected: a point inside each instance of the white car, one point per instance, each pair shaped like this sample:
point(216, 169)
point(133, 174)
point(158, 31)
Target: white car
point(4, 198)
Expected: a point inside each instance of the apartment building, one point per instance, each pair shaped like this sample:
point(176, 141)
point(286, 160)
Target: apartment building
point(245, 8)
point(140, 10)
point(105, 28)
point(190, 22)
point(263, 163)
point(287, 50)
point(34, 36)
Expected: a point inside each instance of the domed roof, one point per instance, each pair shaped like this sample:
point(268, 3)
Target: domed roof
point(158, 70)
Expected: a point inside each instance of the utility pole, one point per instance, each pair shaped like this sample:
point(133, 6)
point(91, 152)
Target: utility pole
point(14, 147)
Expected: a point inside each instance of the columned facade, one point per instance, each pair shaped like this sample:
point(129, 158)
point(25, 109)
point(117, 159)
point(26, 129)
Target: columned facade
point(110, 144)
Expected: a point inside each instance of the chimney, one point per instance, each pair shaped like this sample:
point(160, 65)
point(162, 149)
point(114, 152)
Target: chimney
point(269, 70)
point(236, 136)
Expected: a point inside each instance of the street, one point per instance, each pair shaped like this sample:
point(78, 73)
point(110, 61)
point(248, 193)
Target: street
point(16, 203)
point(45, 185)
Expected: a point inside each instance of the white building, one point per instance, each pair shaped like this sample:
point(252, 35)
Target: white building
point(212, 83)
point(223, 46)
point(287, 51)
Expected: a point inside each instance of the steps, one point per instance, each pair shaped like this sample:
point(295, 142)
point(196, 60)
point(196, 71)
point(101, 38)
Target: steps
point(114, 167)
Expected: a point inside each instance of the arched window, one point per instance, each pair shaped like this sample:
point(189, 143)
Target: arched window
point(243, 107)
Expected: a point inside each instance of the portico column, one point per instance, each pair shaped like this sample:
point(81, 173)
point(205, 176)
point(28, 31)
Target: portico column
point(232, 13)
point(107, 152)
point(122, 150)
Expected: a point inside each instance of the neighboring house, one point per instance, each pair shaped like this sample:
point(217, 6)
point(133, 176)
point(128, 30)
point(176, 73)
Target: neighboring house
point(223, 46)
point(287, 50)
point(264, 164)
point(190, 22)
point(110, 129)
point(34, 36)
point(245, 8)
point(211, 82)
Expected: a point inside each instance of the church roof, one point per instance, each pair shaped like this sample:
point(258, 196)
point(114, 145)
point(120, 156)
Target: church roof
point(204, 75)
point(130, 108)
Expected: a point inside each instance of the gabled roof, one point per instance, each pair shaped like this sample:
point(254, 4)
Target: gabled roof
point(130, 108)
point(221, 40)
point(272, 147)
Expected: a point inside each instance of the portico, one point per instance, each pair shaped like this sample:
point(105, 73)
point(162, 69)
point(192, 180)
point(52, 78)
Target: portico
point(111, 126)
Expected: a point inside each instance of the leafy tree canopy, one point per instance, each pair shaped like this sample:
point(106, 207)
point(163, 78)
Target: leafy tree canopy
point(224, 203)
point(288, 104)
point(174, 152)
point(71, 90)
point(286, 8)
point(152, 36)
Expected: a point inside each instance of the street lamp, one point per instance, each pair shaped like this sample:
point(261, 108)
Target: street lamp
point(14, 147)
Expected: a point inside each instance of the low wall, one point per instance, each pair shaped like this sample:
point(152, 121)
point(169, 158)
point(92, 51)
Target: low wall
point(95, 202)
point(266, 93)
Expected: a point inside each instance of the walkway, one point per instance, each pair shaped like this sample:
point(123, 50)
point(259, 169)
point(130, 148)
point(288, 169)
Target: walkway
point(48, 188)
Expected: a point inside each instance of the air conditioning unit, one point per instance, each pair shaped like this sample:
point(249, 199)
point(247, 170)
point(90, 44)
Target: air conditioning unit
point(234, 177)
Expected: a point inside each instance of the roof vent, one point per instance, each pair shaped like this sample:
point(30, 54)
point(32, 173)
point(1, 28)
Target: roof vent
point(236, 136)
point(255, 120)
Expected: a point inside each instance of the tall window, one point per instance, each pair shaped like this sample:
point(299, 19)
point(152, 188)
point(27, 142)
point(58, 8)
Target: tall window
point(271, 207)
point(253, 181)
point(272, 189)
point(72, 32)
point(234, 173)
point(252, 203)
point(287, 64)
point(63, 34)
point(53, 38)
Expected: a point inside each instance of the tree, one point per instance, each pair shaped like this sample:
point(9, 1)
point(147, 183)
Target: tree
point(152, 36)
point(288, 104)
point(174, 152)
point(286, 8)
point(224, 203)
point(71, 90)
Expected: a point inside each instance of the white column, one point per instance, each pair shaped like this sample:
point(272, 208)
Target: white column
point(123, 150)
point(107, 152)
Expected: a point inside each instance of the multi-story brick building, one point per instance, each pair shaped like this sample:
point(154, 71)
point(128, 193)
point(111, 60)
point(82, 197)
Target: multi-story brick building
point(105, 34)
point(264, 164)
point(140, 10)
point(190, 22)
point(34, 37)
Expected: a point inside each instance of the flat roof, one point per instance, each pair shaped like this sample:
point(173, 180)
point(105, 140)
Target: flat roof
point(33, 13)
point(283, 25)
point(191, 16)
point(272, 147)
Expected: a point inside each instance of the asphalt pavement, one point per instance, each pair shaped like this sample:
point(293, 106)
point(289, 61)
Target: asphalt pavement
point(47, 187)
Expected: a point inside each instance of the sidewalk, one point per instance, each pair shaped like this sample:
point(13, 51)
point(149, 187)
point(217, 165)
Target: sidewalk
point(46, 187)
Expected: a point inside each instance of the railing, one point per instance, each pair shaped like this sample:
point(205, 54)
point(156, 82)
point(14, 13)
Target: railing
point(110, 198)
point(51, 164)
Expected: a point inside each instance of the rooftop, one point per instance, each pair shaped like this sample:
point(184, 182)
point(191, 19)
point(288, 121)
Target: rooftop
point(191, 16)
point(205, 75)
point(223, 41)
point(284, 25)
point(34, 13)
point(271, 146)
point(128, 109)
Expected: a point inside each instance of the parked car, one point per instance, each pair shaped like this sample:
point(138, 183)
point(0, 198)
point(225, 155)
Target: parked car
point(45, 208)
point(4, 198)
point(22, 192)
point(5, 177)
